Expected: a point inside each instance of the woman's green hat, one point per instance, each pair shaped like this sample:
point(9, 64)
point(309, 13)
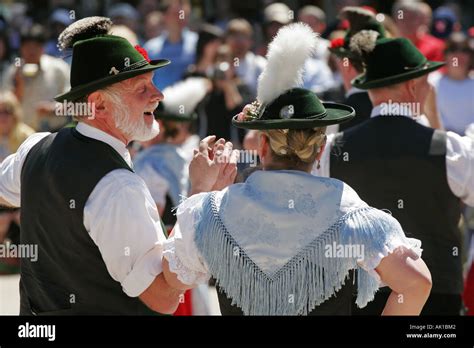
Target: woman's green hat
point(281, 102)
point(99, 59)
point(297, 108)
point(391, 61)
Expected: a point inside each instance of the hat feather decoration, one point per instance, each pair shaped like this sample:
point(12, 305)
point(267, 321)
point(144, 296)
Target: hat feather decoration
point(282, 102)
point(83, 29)
point(286, 57)
point(362, 43)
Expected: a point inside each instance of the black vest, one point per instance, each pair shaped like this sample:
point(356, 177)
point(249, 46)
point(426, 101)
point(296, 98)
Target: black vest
point(70, 276)
point(397, 164)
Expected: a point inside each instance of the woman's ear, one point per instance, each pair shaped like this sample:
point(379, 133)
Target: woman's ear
point(263, 145)
point(321, 150)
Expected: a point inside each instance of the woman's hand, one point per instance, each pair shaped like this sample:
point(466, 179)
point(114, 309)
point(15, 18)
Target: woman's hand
point(227, 158)
point(214, 165)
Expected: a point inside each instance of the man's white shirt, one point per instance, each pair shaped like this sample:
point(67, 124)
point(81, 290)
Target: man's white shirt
point(459, 160)
point(120, 215)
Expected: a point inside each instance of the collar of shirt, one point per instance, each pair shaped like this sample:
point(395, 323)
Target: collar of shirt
point(398, 109)
point(353, 90)
point(385, 109)
point(97, 134)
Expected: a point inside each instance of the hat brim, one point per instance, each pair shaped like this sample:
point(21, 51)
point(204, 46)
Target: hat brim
point(82, 90)
point(362, 82)
point(335, 114)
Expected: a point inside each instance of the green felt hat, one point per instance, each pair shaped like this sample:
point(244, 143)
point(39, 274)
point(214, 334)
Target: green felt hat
point(392, 61)
point(103, 60)
point(358, 19)
point(297, 108)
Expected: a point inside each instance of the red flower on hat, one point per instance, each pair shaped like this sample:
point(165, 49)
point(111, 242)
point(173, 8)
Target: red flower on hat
point(336, 43)
point(143, 52)
point(344, 24)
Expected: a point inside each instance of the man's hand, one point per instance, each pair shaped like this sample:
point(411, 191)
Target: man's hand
point(213, 166)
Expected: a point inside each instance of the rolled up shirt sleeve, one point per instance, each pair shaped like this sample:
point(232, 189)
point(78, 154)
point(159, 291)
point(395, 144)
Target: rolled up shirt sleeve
point(460, 166)
point(123, 221)
point(180, 250)
point(10, 169)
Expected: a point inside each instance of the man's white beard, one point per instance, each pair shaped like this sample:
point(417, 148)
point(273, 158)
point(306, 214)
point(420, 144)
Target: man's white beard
point(138, 130)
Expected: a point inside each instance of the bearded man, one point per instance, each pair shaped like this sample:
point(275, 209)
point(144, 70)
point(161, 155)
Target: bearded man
point(97, 229)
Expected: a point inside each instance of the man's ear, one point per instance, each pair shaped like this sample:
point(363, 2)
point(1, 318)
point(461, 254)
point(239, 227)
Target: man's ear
point(412, 86)
point(98, 103)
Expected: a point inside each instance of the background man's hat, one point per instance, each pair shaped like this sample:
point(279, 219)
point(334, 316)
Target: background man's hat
point(181, 99)
point(100, 60)
point(277, 12)
point(359, 19)
point(281, 102)
point(388, 61)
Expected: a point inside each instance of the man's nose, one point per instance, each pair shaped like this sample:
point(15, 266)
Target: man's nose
point(157, 95)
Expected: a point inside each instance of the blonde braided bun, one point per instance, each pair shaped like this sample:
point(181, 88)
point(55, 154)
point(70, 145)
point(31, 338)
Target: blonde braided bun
point(304, 144)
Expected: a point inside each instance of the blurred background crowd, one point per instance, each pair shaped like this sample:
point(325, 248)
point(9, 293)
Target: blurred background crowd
point(223, 42)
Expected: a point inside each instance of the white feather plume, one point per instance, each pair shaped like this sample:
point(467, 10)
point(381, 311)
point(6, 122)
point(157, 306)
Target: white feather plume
point(286, 57)
point(184, 96)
